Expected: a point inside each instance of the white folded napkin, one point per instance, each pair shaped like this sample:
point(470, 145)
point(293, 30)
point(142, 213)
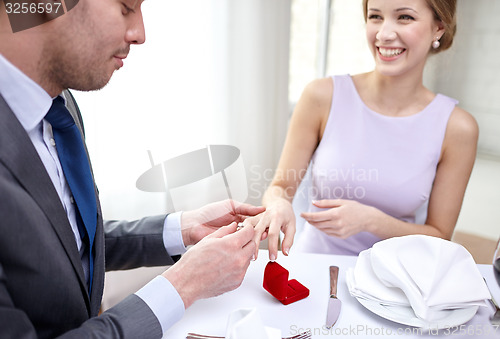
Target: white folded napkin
point(247, 324)
point(429, 274)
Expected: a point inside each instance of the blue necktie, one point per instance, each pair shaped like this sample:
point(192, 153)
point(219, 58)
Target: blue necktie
point(76, 169)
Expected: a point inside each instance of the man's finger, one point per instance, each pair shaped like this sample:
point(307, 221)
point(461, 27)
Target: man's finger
point(243, 236)
point(223, 231)
point(247, 209)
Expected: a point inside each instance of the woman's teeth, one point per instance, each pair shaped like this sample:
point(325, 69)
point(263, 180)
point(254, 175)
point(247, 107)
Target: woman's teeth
point(390, 52)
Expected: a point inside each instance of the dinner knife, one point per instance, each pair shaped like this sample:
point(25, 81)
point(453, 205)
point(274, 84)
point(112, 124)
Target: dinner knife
point(334, 304)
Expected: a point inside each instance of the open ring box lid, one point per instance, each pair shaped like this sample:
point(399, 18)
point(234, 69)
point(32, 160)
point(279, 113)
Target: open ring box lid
point(276, 282)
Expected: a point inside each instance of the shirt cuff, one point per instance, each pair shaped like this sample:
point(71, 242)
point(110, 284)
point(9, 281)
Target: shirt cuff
point(163, 299)
point(172, 236)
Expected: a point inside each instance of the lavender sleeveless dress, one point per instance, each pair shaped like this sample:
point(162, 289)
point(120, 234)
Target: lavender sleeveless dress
point(381, 161)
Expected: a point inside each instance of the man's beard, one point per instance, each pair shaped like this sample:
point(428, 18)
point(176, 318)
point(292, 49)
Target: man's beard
point(66, 74)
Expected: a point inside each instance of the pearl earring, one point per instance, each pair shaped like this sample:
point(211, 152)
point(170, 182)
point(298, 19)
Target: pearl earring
point(436, 43)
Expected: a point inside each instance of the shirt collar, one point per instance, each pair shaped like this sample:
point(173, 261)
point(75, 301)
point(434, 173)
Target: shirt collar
point(29, 102)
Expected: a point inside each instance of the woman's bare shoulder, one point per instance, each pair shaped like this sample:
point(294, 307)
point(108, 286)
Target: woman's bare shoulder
point(319, 90)
point(462, 125)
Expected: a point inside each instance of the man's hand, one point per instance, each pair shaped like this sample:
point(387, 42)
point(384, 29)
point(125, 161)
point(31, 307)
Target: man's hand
point(217, 264)
point(197, 224)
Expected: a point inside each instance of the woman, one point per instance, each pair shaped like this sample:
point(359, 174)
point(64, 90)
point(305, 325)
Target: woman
point(388, 157)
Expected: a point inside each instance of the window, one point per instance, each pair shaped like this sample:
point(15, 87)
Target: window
point(344, 50)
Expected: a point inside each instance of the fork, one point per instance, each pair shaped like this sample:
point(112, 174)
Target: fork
point(303, 335)
point(495, 318)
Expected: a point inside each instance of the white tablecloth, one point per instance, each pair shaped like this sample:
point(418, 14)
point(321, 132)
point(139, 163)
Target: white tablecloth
point(210, 316)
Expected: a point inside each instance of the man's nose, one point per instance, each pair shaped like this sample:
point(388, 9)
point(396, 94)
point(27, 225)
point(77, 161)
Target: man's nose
point(136, 33)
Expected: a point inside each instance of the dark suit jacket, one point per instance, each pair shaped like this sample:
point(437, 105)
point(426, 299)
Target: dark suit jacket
point(42, 286)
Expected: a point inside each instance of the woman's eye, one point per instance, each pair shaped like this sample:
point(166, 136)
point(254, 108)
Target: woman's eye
point(406, 17)
point(374, 17)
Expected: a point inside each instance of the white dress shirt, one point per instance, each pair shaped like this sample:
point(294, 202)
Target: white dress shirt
point(15, 87)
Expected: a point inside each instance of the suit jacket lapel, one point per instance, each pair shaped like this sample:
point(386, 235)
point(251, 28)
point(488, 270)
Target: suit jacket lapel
point(20, 156)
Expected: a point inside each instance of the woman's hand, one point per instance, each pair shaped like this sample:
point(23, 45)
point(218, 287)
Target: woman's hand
point(342, 218)
point(279, 216)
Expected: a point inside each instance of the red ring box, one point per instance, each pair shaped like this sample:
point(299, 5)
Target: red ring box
point(276, 282)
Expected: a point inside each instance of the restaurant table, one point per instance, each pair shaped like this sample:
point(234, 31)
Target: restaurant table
point(209, 316)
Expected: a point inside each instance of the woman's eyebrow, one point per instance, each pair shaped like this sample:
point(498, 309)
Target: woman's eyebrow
point(396, 10)
point(405, 9)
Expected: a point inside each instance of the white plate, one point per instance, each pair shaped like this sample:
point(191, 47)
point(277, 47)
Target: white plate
point(405, 315)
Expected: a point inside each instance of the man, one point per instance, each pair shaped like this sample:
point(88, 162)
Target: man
point(51, 265)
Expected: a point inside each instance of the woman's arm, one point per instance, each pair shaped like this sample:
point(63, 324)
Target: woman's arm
point(306, 128)
point(453, 173)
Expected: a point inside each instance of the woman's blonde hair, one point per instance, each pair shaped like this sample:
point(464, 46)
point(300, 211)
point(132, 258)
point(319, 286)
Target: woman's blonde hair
point(445, 12)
